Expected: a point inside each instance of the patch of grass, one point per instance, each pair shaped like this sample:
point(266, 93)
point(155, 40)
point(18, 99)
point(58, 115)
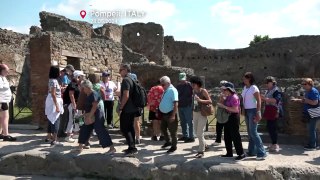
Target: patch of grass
point(21, 115)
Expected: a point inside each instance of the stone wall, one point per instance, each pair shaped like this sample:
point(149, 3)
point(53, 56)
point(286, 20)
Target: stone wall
point(280, 57)
point(15, 53)
point(111, 31)
point(148, 74)
point(146, 39)
point(54, 22)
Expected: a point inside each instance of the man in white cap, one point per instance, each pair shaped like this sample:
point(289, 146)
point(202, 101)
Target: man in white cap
point(185, 108)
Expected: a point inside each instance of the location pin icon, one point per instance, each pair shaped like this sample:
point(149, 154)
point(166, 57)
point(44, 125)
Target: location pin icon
point(83, 13)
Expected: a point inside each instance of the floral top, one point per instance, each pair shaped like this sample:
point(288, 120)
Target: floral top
point(154, 97)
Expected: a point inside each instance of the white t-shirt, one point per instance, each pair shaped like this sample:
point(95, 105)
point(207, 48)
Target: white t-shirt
point(5, 92)
point(109, 87)
point(249, 101)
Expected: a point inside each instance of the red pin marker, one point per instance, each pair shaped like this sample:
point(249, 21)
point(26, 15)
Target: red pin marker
point(83, 13)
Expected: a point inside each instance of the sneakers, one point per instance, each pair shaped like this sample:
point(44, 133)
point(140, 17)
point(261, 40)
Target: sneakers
point(109, 126)
point(227, 155)
point(183, 139)
point(111, 152)
point(309, 148)
point(274, 148)
point(240, 157)
point(189, 140)
point(9, 138)
point(154, 138)
point(69, 139)
point(131, 152)
point(261, 157)
point(167, 144)
point(172, 149)
point(216, 143)
point(86, 145)
point(56, 143)
point(161, 138)
point(199, 155)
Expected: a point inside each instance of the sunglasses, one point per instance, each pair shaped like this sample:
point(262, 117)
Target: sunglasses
point(303, 84)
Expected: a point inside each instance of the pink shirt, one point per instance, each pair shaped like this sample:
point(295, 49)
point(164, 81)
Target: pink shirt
point(232, 101)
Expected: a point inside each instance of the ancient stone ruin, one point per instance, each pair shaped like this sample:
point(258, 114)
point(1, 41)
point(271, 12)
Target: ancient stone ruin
point(64, 41)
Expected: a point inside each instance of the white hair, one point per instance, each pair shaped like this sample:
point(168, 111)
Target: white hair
point(87, 83)
point(165, 79)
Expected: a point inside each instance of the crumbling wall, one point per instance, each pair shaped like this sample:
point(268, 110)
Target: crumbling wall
point(55, 22)
point(146, 39)
point(280, 57)
point(148, 74)
point(110, 31)
point(15, 53)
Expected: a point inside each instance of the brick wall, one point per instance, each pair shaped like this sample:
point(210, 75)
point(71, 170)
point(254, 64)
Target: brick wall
point(40, 62)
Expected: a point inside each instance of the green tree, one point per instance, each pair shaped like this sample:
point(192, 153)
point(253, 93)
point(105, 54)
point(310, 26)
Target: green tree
point(259, 38)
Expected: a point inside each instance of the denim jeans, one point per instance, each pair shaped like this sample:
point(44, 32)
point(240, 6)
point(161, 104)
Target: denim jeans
point(185, 115)
point(255, 142)
point(313, 134)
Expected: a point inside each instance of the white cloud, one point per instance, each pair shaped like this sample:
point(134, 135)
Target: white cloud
point(156, 11)
point(67, 7)
point(19, 29)
point(297, 18)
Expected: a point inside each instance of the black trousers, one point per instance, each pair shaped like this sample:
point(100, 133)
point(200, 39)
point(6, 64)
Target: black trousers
point(127, 128)
point(166, 124)
point(64, 119)
point(232, 135)
point(272, 129)
point(219, 128)
point(108, 109)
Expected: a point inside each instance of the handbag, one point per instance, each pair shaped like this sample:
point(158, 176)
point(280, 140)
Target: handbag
point(314, 112)
point(222, 115)
point(270, 112)
point(206, 109)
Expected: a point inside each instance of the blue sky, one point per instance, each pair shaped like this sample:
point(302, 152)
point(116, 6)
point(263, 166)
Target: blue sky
point(218, 24)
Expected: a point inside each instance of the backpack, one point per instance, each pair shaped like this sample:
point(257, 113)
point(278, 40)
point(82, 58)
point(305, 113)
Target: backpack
point(139, 95)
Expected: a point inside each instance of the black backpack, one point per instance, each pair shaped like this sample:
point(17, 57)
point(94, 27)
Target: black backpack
point(139, 95)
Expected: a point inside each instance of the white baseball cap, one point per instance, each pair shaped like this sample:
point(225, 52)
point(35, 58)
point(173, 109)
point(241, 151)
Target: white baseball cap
point(78, 73)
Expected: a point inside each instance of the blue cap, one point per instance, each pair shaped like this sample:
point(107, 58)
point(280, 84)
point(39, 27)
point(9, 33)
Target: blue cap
point(133, 76)
point(229, 86)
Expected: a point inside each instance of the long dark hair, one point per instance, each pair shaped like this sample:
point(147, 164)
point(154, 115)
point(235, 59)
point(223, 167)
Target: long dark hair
point(54, 72)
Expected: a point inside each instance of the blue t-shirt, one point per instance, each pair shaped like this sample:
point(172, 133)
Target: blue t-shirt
point(65, 80)
point(313, 94)
point(169, 97)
